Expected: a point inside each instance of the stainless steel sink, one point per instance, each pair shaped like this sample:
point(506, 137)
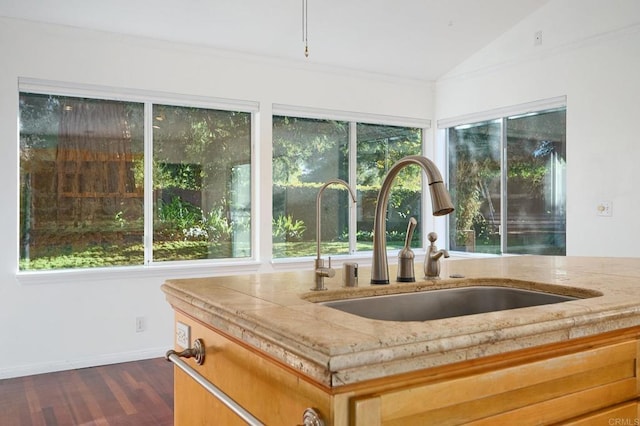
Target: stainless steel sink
point(444, 303)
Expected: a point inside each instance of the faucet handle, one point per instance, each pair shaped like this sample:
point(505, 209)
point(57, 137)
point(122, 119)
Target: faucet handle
point(405, 256)
point(330, 271)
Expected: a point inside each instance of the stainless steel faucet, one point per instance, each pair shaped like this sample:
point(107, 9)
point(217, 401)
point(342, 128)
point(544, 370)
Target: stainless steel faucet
point(432, 258)
point(322, 271)
point(440, 201)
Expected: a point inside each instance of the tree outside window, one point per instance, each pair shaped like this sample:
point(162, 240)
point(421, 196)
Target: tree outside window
point(309, 152)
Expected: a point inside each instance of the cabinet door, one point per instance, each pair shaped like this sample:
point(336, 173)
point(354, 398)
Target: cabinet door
point(540, 392)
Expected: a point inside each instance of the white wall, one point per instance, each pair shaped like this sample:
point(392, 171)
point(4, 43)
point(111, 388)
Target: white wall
point(591, 54)
point(77, 320)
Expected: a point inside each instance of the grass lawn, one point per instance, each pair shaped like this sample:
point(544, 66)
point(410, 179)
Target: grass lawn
point(104, 255)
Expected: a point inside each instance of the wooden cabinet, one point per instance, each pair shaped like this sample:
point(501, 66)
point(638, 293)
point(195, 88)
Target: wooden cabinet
point(270, 391)
point(544, 391)
point(590, 381)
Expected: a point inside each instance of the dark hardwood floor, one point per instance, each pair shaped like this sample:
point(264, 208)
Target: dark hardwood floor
point(134, 393)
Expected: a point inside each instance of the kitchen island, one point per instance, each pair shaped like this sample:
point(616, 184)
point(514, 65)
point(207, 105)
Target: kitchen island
point(275, 351)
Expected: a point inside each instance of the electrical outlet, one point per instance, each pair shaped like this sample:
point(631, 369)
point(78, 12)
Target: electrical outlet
point(537, 38)
point(604, 208)
point(183, 332)
point(140, 324)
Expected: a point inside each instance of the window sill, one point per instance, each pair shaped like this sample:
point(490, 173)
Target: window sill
point(164, 271)
point(204, 269)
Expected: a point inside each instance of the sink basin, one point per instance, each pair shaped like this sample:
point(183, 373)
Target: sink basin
point(444, 303)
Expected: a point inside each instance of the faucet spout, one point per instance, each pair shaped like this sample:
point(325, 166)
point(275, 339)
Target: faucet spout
point(437, 255)
point(440, 201)
point(320, 270)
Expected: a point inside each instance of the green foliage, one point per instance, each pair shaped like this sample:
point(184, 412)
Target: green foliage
point(362, 235)
point(530, 172)
point(178, 215)
point(303, 147)
point(379, 147)
point(308, 248)
point(195, 147)
point(477, 163)
point(180, 219)
point(405, 201)
point(217, 226)
point(285, 228)
point(180, 250)
point(468, 194)
point(90, 256)
point(183, 176)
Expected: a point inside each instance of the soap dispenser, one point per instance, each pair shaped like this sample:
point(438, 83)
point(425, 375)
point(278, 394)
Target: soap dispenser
point(432, 258)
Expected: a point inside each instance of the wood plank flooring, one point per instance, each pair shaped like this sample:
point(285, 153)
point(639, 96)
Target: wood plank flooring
point(136, 393)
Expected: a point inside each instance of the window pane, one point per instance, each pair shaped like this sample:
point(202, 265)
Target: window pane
point(306, 154)
point(474, 184)
point(379, 147)
point(201, 183)
point(81, 182)
point(536, 164)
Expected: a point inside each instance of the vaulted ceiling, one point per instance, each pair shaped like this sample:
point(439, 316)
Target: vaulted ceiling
point(420, 39)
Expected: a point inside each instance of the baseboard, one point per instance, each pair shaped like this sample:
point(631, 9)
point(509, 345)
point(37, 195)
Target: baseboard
point(94, 361)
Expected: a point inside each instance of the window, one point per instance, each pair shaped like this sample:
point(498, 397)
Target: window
point(507, 182)
point(90, 196)
point(307, 152)
point(378, 148)
point(201, 183)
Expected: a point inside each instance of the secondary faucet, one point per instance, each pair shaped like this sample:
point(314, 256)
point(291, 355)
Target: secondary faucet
point(322, 271)
point(432, 258)
point(440, 201)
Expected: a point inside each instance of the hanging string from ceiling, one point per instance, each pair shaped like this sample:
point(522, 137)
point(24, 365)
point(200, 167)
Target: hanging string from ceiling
point(305, 31)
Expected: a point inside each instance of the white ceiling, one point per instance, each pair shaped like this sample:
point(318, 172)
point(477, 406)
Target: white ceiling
point(420, 39)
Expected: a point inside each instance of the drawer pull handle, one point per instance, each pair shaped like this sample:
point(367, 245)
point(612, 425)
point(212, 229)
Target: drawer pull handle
point(197, 352)
point(310, 417)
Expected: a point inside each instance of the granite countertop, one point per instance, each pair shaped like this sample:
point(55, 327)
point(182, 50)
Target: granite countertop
point(276, 314)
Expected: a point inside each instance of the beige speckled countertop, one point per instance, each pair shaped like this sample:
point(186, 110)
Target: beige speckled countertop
point(273, 313)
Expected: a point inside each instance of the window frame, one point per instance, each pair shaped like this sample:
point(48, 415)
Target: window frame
point(502, 115)
point(261, 252)
point(147, 99)
point(353, 119)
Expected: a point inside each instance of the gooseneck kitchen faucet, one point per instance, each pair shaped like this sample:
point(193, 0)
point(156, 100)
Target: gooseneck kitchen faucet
point(440, 202)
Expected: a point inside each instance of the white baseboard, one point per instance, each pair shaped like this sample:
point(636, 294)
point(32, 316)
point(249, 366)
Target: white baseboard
point(94, 361)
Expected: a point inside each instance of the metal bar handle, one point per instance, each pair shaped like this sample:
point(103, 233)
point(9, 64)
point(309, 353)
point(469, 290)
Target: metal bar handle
point(225, 399)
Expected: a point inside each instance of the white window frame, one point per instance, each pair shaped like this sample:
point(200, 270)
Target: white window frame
point(166, 269)
point(493, 115)
point(354, 118)
point(204, 267)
